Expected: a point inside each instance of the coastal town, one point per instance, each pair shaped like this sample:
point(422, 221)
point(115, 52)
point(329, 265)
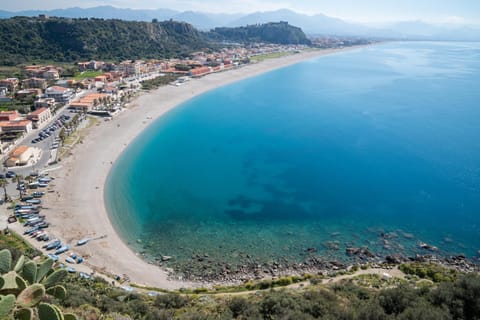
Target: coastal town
point(39, 101)
point(43, 112)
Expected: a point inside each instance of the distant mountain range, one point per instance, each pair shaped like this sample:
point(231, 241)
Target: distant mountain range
point(313, 25)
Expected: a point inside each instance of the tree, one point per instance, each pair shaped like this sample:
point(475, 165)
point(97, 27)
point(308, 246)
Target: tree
point(18, 179)
point(4, 184)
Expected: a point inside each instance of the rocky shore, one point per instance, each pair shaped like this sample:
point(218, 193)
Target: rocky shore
point(201, 268)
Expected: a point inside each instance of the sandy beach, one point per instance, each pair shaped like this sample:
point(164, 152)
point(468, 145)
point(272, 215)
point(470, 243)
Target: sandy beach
point(76, 209)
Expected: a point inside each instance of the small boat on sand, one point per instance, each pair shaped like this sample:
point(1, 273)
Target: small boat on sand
point(83, 241)
point(54, 257)
point(70, 260)
point(62, 249)
point(52, 244)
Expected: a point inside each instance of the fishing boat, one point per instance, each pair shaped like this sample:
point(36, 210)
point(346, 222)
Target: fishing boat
point(34, 201)
point(83, 241)
point(54, 257)
point(62, 249)
point(79, 260)
point(31, 230)
point(70, 260)
point(43, 225)
point(71, 270)
point(53, 244)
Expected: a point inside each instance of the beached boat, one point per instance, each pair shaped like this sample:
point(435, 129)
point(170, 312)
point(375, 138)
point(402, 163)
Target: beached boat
point(34, 201)
point(20, 211)
point(37, 233)
point(42, 237)
point(79, 260)
point(62, 249)
point(83, 241)
point(31, 230)
point(42, 225)
point(71, 270)
point(84, 275)
point(54, 257)
point(53, 244)
point(70, 260)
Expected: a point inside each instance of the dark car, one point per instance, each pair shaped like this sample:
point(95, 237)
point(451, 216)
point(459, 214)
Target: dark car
point(10, 174)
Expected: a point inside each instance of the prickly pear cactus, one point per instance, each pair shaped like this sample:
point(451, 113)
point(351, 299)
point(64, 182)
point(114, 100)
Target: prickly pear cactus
point(58, 292)
point(48, 311)
point(24, 314)
point(29, 272)
point(7, 303)
point(43, 269)
point(5, 261)
point(23, 289)
point(31, 296)
point(55, 277)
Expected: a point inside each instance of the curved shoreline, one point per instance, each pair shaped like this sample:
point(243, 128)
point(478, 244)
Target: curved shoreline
point(77, 208)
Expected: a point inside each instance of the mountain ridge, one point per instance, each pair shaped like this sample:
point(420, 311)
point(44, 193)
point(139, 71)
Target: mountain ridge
point(318, 24)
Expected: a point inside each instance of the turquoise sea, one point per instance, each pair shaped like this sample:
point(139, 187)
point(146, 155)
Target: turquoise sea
point(325, 154)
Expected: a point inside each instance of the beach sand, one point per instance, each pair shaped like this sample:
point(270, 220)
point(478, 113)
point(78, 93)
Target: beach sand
point(76, 209)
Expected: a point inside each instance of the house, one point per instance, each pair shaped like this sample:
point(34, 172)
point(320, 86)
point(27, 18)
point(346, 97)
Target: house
point(88, 102)
point(34, 83)
point(51, 74)
point(19, 156)
point(10, 83)
point(24, 94)
point(44, 103)
point(101, 78)
point(45, 72)
point(200, 71)
point(9, 115)
point(39, 116)
point(21, 126)
point(60, 94)
point(90, 65)
point(131, 68)
point(110, 89)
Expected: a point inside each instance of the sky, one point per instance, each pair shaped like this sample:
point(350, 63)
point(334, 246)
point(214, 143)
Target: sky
point(367, 11)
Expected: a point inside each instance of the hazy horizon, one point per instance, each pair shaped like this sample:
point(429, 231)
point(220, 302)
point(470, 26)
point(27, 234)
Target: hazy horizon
point(460, 12)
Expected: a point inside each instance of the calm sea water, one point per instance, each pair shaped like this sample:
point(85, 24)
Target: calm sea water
point(327, 153)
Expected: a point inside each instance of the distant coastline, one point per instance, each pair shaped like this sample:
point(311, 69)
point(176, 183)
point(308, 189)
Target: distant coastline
point(79, 202)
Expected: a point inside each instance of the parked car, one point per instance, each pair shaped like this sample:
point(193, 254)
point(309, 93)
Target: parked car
point(10, 174)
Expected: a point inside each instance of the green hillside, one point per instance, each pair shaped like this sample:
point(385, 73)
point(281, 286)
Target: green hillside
point(59, 39)
point(274, 32)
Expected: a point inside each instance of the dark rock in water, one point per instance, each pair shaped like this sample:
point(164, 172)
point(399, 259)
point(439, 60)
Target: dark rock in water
point(332, 245)
point(388, 235)
point(353, 251)
point(394, 259)
point(311, 250)
point(408, 235)
point(425, 246)
point(368, 253)
point(338, 264)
